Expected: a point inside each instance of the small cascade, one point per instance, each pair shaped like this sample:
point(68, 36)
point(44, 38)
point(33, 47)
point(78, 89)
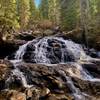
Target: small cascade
point(21, 51)
point(50, 50)
point(17, 73)
point(78, 95)
point(69, 82)
point(41, 52)
point(20, 75)
point(77, 71)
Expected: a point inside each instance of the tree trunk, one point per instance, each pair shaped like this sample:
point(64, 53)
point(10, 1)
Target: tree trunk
point(84, 10)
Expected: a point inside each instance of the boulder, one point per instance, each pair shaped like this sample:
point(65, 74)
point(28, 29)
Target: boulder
point(9, 47)
point(27, 36)
point(48, 32)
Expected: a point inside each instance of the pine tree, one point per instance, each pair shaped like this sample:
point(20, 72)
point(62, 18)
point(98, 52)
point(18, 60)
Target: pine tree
point(8, 10)
point(34, 13)
point(23, 8)
point(95, 13)
point(32, 9)
point(8, 18)
point(54, 11)
point(43, 7)
point(69, 14)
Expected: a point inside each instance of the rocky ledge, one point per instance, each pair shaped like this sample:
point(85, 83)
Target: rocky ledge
point(49, 82)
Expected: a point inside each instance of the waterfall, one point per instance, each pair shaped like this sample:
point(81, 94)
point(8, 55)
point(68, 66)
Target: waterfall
point(49, 49)
point(54, 51)
point(20, 52)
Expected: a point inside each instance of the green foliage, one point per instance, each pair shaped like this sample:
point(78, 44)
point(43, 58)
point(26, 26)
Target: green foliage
point(8, 13)
point(54, 11)
point(24, 14)
point(69, 14)
point(34, 15)
point(8, 17)
point(44, 9)
point(95, 14)
point(23, 8)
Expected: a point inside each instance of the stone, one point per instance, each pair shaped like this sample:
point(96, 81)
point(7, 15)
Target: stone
point(5, 69)
point(48, 32)
point(27, 36)
point(17, 95)
point(7, 48)
point(50, 82)
point(12, 95)
point(93, 69)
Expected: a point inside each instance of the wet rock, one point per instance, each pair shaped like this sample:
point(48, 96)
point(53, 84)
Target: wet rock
point(50, 82)
point(93, 69)
point(89, 87)
point(54, 50)
point(55, 43)
point(93, 53)
point(98, 53)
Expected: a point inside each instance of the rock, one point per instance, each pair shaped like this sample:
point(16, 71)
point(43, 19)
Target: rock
point(50, 82)
point(5, 69)
point(93, 69)
point(57, 97)
point(17, 95)
point(37, 33)
point(88, 87)
point(93, 53)
point(12, 95)
point(7, 48)
point(48, 32)
point(56, 51)
point(27, 36)
point(98, 53)
point(57, 84)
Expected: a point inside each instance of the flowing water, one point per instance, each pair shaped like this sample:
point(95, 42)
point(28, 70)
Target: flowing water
point(53, 50)
point(17, 73)
point(49, 48)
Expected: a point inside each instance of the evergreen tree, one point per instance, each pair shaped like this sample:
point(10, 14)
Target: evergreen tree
point(34, 13)
point(54, 11)
point(32, 9)
point(8, 18)
point(23, 13)
point(69, 14)
point(95, 13)
point(8, 10)
point(44, 9)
